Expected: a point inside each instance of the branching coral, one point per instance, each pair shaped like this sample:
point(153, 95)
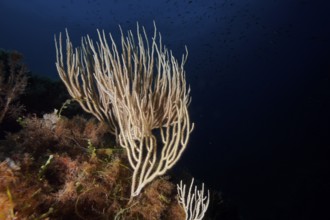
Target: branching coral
point(13, 80)
point(138, 92)
point(193, 201)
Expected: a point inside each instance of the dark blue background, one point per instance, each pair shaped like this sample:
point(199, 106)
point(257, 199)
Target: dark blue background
point(259, 72)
